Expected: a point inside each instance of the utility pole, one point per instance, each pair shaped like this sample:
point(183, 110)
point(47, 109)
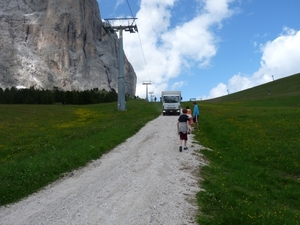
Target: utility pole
point(147, 83)
point(121, 79)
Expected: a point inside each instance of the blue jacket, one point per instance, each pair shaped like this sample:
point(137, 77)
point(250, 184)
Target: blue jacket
point(196, 111)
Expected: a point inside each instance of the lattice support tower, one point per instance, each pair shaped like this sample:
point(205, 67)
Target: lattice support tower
point(109, 26)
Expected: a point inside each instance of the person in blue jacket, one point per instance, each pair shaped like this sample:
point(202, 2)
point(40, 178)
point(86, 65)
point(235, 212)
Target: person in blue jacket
point(196, 113)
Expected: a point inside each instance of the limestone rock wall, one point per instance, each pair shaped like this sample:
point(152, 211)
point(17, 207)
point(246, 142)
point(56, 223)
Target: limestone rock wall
point(58, 43)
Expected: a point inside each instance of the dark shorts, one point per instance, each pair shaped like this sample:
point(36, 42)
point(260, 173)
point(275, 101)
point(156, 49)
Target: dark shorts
point(183, 136)
point(196, 119)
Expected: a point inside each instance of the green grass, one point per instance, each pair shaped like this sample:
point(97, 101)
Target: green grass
point(39, 143)
point(253, 176)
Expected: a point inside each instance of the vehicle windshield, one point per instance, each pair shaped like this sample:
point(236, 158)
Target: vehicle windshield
point(171, 99)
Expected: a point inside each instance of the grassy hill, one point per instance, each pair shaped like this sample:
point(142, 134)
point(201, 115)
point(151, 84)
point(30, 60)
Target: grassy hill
point(40, 143)
point(253, 175)
point(281, 89)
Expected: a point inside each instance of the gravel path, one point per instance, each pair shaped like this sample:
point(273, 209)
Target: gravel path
point(145, 180)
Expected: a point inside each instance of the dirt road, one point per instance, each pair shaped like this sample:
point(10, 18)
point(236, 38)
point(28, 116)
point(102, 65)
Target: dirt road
point(145, 180)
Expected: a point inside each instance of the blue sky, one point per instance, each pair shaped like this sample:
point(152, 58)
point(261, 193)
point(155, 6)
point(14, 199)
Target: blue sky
point(209, 48)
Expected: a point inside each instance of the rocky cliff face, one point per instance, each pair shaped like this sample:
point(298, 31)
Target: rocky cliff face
point(58, 43)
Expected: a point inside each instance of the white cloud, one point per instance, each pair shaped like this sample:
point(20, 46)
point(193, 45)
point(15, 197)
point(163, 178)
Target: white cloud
point(119, 2)
point(178, 85)
point(280, 58)
point(239, 82)
point(170, 50)
point(219, 90)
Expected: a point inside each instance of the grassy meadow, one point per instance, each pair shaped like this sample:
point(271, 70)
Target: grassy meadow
point(39, 143)
point(252, 139)
point(253, 175)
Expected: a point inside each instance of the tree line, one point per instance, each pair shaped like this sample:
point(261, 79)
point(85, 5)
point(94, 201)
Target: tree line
point(56, 96)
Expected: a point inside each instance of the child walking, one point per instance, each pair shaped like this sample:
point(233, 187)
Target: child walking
point(189, 114)
point(183, 127)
